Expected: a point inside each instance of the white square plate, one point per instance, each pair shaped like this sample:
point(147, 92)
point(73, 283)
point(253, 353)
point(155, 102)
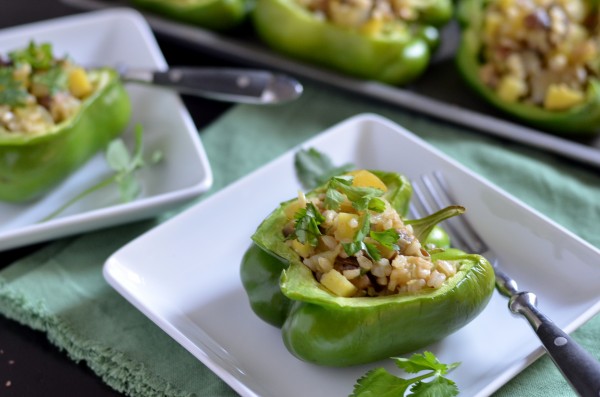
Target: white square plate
point(184, 274)
point(108, 38)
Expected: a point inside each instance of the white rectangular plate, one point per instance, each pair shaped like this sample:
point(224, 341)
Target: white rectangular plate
point(108, 38)
point(184, 274)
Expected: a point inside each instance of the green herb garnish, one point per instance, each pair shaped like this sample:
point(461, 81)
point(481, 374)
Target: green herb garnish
point(379, 382)
point(388, 238)
point(314, 168)
point(39, 56)
point(12, 92)
point(54, 79)
point(340, 187)
point(358, 243)
point(307, 225)
point(124, 166)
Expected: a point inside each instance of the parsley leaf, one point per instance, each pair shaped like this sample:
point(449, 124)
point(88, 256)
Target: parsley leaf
point(12, 92)
point(379, 382)
point(307, 225)
point(315, 168)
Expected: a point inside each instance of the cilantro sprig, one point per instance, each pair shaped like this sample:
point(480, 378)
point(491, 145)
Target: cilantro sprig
point(307, 221)
point(124, 166)
point(379, 382)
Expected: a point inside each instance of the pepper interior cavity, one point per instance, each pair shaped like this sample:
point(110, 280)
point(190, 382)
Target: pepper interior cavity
point(540, 52)
point(356, 243)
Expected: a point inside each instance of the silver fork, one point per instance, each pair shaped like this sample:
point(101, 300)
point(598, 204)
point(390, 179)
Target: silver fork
point(578, 366)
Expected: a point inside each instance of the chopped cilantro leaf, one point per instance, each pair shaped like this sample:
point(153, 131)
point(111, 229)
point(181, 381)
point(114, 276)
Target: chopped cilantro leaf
point(39, 56)
point(55, 79)
point(376, 204)
point(372, 251)
point(358, 242)
point(340, 187)
point(307, 225)
point(388, 238)
point(12, 92)
point(333, 199)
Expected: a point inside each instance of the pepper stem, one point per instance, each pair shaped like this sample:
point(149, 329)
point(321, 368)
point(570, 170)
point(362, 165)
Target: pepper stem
point(423, 226)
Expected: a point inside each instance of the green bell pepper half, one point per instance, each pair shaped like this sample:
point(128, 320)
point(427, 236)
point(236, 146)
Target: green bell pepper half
point(30, 165)
point(394, 58)
point(583, 119)
point(325, 329)
point(219, 15)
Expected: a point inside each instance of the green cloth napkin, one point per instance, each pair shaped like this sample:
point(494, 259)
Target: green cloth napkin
point(60, 289)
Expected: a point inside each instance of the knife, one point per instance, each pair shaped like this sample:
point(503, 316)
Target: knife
point(248, 86)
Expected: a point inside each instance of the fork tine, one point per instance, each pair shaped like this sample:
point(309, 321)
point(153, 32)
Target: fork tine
point(432, 194)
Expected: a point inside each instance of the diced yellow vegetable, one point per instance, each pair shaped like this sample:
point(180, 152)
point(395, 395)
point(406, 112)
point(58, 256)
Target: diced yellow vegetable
point(372, 27)
point(294, 206)
point(561, 97)
point(511, 88)
point(493, 21)
point(304, 250)
point(337, 283)
point(364, 178)
point(79, 84)
point(347, 225)
point(326, 259)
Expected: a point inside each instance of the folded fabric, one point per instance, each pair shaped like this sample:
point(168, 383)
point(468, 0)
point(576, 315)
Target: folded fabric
point(60, 289)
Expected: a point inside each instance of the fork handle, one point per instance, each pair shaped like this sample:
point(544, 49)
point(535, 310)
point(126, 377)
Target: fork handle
point(577, 365)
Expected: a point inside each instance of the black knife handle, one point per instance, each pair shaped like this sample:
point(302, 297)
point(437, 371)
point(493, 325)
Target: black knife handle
point(577, 365)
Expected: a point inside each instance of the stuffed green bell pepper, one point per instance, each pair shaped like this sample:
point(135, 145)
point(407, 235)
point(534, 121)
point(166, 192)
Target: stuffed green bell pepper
point(217, 15)
point(350, 281)
point(538, 61)
point(54, 116)
point(388, 41)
